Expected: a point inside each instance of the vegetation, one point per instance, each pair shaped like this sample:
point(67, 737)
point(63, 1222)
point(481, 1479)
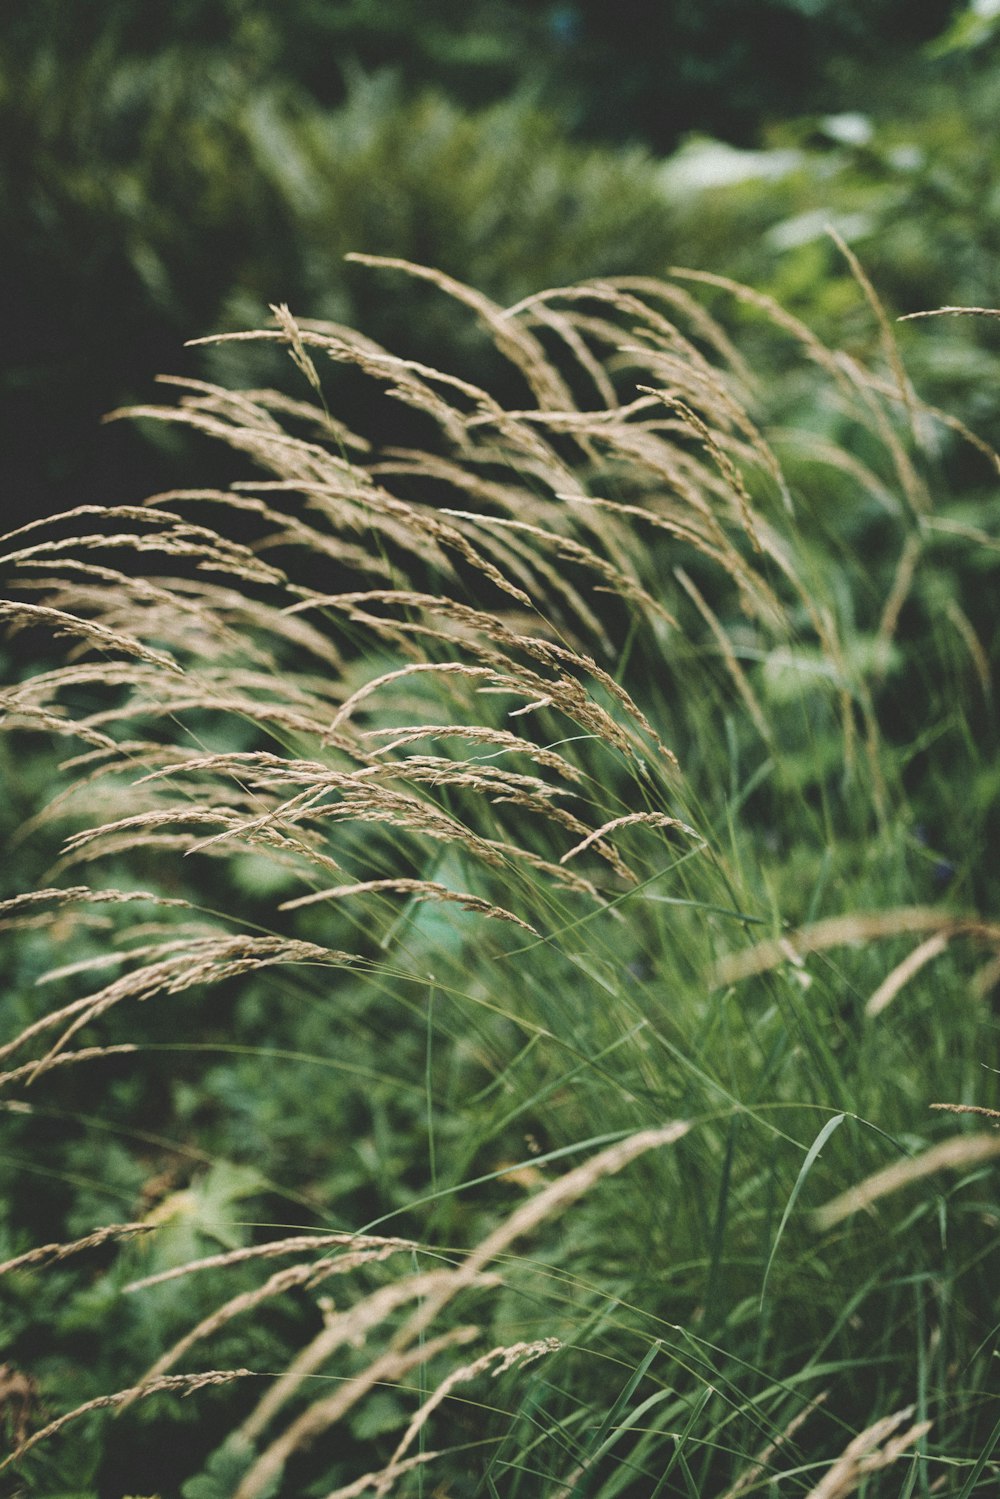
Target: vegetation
point(514, 927)
point(499, 932)
point(161, 177)
point(652, 74)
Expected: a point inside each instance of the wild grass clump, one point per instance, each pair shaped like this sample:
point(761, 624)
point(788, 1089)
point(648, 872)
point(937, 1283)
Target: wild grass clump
point(507, 911)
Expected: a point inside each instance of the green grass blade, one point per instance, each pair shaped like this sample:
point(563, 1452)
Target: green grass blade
point(807, 1165)
point(979, 1466)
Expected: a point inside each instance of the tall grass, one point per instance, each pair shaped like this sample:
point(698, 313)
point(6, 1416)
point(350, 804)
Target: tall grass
point(515, 900)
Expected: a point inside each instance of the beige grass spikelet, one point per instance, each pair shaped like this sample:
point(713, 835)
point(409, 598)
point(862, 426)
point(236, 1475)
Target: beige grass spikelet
point(418, 890)
point(437, 1290)
point(177, 967)
point(877, 1447)
point(47, 1254)
point(278, 1284)
point(501, 740)
point(630, 819)
point(374, 1480)
point(274, 1249)
point(841, 931)
point(504, 1357)
point(388, 1368)
point(86, 630)
point(901, 975)
point(514, 341)
point(26, 1072)
point(181, 1384)
point(947, 1155)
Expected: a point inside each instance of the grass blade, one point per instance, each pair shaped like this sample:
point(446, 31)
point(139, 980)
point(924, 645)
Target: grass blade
point(811, 1156)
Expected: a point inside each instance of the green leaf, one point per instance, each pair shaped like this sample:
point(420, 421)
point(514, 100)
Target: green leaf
point(807, 1165)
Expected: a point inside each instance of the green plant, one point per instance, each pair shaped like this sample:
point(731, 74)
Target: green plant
point(504, 875)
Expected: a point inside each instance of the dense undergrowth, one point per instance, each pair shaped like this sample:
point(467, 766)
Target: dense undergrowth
point(509, 929)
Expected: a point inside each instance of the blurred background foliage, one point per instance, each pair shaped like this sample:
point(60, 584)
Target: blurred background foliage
point(168, 172)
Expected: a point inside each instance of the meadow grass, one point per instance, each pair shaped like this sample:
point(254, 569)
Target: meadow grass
point(512, 937)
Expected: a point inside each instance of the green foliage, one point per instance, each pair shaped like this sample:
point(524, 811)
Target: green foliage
point(648, 72)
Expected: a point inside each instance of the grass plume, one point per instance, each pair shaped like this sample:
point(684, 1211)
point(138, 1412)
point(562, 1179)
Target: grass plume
point(586, 797)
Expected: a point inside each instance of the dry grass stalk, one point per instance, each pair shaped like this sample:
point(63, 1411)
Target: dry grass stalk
point(292, 332)
point(18, 907)
point(520, 346)
point(829, 361)
point(684, 460)
point(952, 312)
point(495, 783)
point(948, 1155)
point(986, 978)
point(372, 1480)
point(26, 1072)
point(843, 931)
point(499, 787)
point(506, 1356)
point(349, 1328)
point(863, 391)
point(436, 1290)
point(298, 1244)
point(389, 1367)
point(291, 1278)
point(615, 579)
point(630, 819)
point(118, 598)
point(363, 801)
point(61, 623)
point(904, 972)
point(256, 405)
point(934, 414)
point(727, 468)
point(822, 451)
point(182, 1384)
point(501, 740)
point(179, 966)
point(890, 348)
point(17, 716)
point(289, 531)
point(176, 541)
point(871, 393)
point(142, 830)
point(571, 336)
point(136, 513)
point(566, 1189)
point(418, 890)
point(877, 1447)
point(977, 654)
point(762, 1463)
point(758, 600)
point(418, 668)
point(563, 691)
point(728, 655)
point(49, 1254)
point(967, 1108)
point(906, 570)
